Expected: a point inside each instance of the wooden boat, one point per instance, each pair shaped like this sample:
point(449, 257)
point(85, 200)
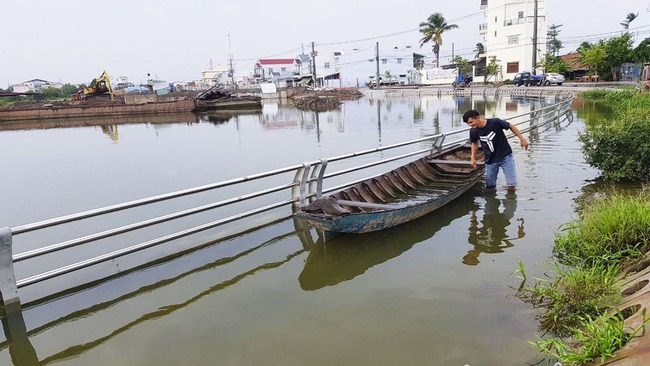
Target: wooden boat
point(348, 256)
point(396, 197)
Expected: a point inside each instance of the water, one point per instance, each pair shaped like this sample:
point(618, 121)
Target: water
point(436, 291)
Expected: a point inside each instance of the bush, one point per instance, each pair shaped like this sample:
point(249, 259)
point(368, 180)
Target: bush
point(619, 146)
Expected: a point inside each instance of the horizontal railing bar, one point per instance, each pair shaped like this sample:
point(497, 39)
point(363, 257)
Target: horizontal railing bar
point(122, 206)
point(369, 151)
point(138, 247)
point(157, 220)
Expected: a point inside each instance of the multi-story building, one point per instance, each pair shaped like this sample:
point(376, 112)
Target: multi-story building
point(509, 34)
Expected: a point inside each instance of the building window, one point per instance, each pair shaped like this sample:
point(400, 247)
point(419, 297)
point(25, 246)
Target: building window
point(284, 69)
point(495, 33)
point(512, 67)
point(270, 70)
point(521, 14)
point(327, 65)
point(495, 19)
point(513, 39)
point(384, 61)
point(399, 60)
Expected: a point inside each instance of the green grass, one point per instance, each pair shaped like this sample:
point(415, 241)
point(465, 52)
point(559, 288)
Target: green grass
point(596, 338)
point(611, 232)
point(573, 294)
point(616, 229)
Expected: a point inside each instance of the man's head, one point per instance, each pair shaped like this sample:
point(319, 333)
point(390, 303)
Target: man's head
point(470, 114)
point(471, 117)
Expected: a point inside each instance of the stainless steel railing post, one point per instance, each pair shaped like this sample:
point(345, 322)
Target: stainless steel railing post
point(8, 288)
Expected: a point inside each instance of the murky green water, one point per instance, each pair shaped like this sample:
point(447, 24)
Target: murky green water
point(436, 291)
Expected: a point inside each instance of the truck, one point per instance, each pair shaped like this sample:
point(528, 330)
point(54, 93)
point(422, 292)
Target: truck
point(528, 79)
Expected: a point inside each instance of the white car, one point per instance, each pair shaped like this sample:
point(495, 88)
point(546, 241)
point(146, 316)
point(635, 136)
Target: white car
point(553, 78)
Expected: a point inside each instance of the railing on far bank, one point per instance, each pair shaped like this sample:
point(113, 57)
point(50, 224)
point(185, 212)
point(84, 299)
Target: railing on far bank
point(307, 183)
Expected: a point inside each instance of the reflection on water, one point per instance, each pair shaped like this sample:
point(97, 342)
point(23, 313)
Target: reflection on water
point(260, 289)
point(348, 256)
point(490, 235)
point(591, 111)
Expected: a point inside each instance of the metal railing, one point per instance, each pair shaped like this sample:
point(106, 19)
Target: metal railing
point(307, 183)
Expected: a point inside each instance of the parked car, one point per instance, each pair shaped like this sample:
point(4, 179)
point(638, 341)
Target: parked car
point(553, 78)
point(527, 79)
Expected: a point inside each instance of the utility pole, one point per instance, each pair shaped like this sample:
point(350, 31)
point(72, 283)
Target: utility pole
point(377, 62)
point(313, 63)
point(452, 51)
point(534, 38)
point(231, 71)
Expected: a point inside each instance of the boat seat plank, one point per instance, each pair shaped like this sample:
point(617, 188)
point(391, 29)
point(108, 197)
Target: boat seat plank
point(374, 206)
point(453, 162)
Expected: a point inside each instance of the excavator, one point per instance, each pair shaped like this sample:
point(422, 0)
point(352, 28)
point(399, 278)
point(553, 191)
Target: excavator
point(99, 86)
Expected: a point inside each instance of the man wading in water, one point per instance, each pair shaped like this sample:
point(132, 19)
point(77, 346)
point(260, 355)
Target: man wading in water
point(497, 151)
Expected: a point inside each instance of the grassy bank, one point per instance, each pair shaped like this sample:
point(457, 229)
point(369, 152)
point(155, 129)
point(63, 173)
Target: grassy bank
point(577, 306)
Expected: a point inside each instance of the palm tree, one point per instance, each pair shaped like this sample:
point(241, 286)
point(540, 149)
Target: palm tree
point(432, 30)
point(480, 49)
point(628, 19)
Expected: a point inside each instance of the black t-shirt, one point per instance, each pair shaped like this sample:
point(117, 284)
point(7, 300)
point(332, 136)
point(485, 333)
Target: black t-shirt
point(493, 140)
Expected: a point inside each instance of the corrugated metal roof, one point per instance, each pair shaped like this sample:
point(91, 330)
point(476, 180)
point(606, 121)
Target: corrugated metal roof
point(276, 61)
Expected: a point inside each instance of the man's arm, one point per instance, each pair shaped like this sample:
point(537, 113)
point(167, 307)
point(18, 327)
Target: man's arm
point(474, 150)
point(522, 139)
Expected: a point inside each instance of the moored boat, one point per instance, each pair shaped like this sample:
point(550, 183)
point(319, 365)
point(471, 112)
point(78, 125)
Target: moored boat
point(217, 98)
point(401, 195)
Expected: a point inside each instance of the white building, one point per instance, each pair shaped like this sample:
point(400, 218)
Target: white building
point(35, 86)
point(216, 75)
point(508, 32)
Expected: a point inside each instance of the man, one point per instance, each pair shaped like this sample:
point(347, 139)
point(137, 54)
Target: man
point(497, 151)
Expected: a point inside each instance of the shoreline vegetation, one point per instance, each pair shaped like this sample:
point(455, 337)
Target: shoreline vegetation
point(595, 254)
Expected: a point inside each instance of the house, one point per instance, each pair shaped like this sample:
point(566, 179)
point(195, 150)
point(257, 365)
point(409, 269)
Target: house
point(509, 34)
point(278, 68)
point(395, 64)
point(216, 75)
point(35, 86)
point(578, 69)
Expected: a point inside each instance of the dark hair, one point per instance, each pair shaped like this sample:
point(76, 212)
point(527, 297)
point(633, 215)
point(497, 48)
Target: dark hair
point(469, 114)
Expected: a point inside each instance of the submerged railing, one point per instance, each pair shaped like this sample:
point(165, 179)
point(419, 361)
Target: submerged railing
point(307, 183)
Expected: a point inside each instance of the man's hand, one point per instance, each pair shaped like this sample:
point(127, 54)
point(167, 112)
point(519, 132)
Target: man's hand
point(524, 143)
point(472, 162)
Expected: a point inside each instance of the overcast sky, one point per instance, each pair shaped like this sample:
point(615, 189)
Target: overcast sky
point(73, 41)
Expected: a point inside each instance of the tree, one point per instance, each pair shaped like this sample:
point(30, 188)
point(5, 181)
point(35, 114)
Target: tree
point(432, 30)
point(480, 49)
point(584, 46)
point(628, 19)
point(492, 69)
point(69, 90)
point(641, 53)
point(553, 45)
point(594, 57)
point(619, 51)
point(552, 63)
point(463, 65)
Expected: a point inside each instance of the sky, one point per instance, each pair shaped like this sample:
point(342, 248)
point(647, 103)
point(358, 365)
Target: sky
point(73, 41)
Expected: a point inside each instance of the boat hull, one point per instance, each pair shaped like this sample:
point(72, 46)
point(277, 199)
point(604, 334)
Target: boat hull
point(375, 204)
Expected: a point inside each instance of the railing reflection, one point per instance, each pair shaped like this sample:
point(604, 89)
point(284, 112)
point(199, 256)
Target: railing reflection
point(18, 337)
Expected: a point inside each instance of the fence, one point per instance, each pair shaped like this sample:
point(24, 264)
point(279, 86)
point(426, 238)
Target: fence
point(308, 182)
